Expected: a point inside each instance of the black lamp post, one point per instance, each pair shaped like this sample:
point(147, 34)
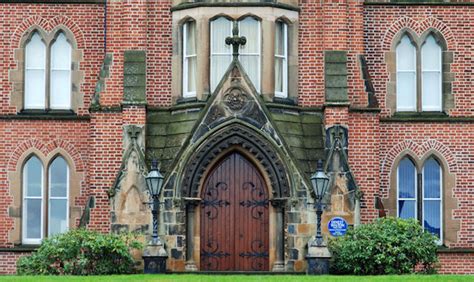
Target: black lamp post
point(320, 182)
point(154, 182)
point(155, 255)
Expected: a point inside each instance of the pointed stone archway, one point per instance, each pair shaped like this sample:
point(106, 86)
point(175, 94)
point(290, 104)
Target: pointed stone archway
point(242, 140)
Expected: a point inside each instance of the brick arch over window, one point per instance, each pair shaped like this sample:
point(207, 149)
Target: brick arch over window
point(46, 150)
point(46, 153)
point(418, 151)
point(418, 27)
point(48, 26)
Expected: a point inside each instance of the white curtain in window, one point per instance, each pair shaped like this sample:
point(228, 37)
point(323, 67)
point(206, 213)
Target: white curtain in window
point(431, 75)
point(432, 197)
point(61, 73)
point(58, 197)
point(221, 53)
point(189, 59)
point(406, 75)
point(32, 201)
point(249, 54)
point(281, 60)
point(35, 65)
point(406, 184)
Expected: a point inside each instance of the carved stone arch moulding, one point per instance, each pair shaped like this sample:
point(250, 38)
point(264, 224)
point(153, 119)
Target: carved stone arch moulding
point(251, 142)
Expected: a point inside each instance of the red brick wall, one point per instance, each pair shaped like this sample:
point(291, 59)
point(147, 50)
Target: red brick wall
point(8, 261)
point(159, 52)
point(453, 263)
point(364, 150)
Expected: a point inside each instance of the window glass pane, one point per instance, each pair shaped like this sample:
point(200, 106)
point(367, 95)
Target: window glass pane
point(191, 79)
point(61, 53)
point(406, 54)
point(279, 74)
point(35, 89)
point(249, 27)
point(432, 216)
point(219, 66)
point(406, 208)
point(57, 216)
point(58, 174)
point(190, 38)
point(431, 179)
point(35, 52)
point(33, 218)
point(251, 65)
point(431, 91)
point(431, 54)
point(33, 177)
point(406, 179)
point(60, 89)
point(220, 30)
point(406, 91)
point(279, 38)
point(61, 73)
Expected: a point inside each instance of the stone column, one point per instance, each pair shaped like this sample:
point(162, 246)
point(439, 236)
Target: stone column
point(191, 204)
point(279, 205)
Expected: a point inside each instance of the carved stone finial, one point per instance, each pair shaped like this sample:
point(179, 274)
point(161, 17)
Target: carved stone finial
point(235, 40)
point(133, 131)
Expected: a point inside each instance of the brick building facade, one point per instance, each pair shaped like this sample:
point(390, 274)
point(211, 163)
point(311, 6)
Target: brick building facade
point(148, 79)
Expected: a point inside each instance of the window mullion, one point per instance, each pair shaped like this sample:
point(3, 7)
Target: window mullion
point(48, 77)
point(419, 197)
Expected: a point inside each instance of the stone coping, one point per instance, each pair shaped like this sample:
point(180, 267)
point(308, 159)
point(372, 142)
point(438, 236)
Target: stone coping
point(416, 3)
point(184, 6)
point(54, 1)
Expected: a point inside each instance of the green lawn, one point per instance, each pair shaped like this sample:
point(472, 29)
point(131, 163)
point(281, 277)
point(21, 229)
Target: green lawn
point(237, 278)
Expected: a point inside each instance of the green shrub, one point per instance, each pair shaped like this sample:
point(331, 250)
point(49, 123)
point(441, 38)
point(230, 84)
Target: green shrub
point(386, 246)
point(81, 252)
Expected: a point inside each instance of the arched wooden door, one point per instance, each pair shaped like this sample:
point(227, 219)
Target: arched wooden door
point(234, 217)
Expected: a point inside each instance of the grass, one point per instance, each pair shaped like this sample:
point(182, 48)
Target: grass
point(238, 278)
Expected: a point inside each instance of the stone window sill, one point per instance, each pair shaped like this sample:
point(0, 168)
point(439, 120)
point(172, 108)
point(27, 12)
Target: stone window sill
point(285, 101)
point(20, 248)
point(46, 115)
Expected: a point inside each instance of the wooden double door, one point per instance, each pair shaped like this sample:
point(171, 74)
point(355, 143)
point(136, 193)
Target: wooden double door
point(234, 227)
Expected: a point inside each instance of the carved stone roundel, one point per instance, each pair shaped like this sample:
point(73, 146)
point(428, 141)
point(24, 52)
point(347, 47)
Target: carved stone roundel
point(235, 99)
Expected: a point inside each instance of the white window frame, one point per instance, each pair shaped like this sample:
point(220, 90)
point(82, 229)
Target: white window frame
point(258, 54)
point(186, 92)
point(58, 198)
point(213, 83)
point(440, 72)
point(26, 240)
point(440, 241)
point(415, 199)
point(283, 94)
point(398, 71)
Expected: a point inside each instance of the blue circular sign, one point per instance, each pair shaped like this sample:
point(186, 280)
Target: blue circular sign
point(337, 226)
